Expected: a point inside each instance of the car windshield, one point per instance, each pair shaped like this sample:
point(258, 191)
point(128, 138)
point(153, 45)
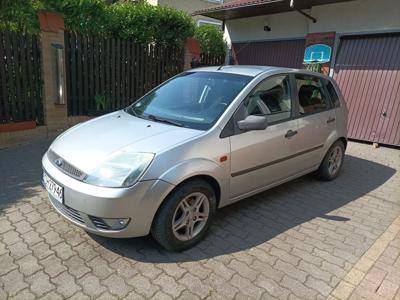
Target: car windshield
point(193, 99)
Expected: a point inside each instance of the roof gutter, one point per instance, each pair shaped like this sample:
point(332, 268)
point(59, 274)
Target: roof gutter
point(199, 12)
point(302, 12)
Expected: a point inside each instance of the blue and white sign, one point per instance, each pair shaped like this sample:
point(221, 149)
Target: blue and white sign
point(318, 53)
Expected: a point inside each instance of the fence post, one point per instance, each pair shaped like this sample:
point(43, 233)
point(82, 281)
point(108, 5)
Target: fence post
point(53, 72)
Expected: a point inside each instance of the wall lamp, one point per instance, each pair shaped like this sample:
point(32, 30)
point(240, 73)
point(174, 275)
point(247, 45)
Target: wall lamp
point(58, 55)
point(266, 25)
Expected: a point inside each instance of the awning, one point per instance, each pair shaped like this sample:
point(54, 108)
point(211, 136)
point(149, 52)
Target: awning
point(251, 8)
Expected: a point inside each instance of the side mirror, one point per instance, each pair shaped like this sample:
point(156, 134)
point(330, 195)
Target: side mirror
point(253, 122)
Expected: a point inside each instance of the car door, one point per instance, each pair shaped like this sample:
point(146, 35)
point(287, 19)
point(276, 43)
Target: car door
point(317, 120)
point(261, 157)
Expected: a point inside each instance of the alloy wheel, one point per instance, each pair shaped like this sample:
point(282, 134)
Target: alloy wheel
point(190, 216)
point(335, 160)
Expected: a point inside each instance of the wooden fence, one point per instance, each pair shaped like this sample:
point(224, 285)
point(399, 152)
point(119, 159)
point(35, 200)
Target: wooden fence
point(20, 78)
point(208, 60)
point(212, 60)
point(120, 70)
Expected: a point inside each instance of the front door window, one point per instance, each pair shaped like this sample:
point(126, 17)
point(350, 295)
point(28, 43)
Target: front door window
point(271, 98)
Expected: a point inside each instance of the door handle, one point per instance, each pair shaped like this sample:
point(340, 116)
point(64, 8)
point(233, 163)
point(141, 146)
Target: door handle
point(330, 120)
point(290, 133)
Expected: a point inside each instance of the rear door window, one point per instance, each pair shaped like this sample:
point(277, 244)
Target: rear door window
point(311, 94)
point(332, 93)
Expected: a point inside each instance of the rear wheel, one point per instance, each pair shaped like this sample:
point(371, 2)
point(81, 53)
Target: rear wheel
point(185, 216)
point(332, 162)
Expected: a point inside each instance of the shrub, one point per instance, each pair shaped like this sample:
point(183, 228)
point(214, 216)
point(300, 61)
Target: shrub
point(19, 16)
point(211, 40)
point(141, 22)
point(146, 23)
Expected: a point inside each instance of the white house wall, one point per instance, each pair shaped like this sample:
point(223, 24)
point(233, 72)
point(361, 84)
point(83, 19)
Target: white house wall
point(357, 16)
point(349, 17)
point(284, 25)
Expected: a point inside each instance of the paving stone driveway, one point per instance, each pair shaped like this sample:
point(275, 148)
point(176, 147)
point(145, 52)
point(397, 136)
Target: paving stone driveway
point(295, 241)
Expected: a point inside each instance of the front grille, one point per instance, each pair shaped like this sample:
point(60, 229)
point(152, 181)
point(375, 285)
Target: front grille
point(67, 211)
point(99, 223)
point(65, 167)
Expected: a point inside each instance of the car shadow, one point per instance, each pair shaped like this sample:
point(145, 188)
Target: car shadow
point(21, 172)
point(257, 219)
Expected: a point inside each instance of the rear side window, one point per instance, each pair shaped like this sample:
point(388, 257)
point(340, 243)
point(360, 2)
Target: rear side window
point(312, 95)
point(332, 93)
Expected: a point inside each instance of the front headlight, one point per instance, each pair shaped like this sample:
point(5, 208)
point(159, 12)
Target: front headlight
point(122, 169)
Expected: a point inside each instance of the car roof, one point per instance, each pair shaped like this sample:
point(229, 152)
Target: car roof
point(253, 71)
point(241, 69)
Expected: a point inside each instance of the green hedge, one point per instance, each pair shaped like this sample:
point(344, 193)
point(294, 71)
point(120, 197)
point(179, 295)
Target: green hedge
point(141, 22)
point(211, 40)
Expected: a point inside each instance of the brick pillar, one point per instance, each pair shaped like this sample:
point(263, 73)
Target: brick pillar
point(191, 53)
point(52, 36)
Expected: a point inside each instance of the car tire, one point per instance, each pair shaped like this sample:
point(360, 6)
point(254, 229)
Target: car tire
point(332, 162)
point(182, 208)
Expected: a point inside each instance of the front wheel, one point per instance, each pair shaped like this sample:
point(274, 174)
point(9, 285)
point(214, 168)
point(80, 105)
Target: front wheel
point(332, 162)
point(185, 216)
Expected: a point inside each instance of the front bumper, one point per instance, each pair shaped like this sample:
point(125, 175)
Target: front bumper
point(85, 205)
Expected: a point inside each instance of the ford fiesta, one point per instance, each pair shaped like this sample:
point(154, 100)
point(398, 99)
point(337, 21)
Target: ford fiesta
point(202, 140)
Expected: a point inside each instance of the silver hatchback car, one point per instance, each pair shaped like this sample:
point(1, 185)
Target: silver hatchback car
point(202, 140)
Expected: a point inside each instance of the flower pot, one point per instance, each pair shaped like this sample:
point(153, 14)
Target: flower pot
point(18, 126)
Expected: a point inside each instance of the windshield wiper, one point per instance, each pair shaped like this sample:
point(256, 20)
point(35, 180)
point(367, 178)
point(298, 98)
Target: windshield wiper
point(157, 119)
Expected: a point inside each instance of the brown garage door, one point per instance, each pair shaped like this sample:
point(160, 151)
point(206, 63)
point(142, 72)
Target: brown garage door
point(367, 71)
point(286, 53)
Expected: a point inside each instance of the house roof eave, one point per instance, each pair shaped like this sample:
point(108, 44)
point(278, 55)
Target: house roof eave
point(251, 8)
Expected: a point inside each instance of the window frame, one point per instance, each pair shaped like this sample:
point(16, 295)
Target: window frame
point(216, 1)
point(334, 105)
point(202, 22)
point(231, 129)
point(324, 89)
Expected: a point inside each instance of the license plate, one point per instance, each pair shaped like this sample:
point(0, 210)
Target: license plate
point(53, 188)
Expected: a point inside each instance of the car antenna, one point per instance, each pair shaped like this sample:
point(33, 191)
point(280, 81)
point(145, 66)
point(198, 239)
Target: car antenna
point(244, 46)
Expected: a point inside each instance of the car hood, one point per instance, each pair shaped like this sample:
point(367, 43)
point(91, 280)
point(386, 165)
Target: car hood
point(88, 144)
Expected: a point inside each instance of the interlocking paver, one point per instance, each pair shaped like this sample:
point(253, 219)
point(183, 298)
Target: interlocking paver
point(143, 286)
point(100, 267)
point(66, 285)
point(117, 286)
point(79, 296)
point(13, 283)
point(7, 264)
point(63, 250)
point(91, 285)
point(40, 284)
point(246, 287)
point(28, 265)
point(169, 285)
point(76, 266)
point(5, 226)
point(19, 249)
point(296, 241)
point(41, 250)
point(172, 270)
point(195, 285)
point(31, 238)
point(272, 287)
point(22, 295)
point(53, 265)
